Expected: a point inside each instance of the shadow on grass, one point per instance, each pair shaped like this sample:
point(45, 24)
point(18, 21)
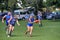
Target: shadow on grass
point(35, 35)
point(16, 35)
point(25, 35)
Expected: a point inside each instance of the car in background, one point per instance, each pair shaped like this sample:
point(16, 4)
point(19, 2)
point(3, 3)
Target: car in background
point(53, 15)
point(0, 16)
point(49, 16)
point(57, 16)
point(20, 13)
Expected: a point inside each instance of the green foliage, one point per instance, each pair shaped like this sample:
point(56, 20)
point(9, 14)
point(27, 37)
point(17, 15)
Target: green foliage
point(36, 3)
point(53, 2)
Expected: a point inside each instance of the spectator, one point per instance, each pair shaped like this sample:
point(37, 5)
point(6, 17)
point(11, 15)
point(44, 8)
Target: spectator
point(39, 16)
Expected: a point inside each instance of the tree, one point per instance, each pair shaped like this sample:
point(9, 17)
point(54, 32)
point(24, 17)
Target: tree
point(2, 5)
point(55, 3)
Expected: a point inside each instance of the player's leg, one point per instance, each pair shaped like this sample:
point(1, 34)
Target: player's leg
point(27, 29)
point(40, 23)
point(7, 28)
point(13, 27)
point(31, 29)
point(10, 29)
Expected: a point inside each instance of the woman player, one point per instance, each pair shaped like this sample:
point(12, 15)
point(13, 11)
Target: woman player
point(8, 19)
point(30, 25)
point(12, 23)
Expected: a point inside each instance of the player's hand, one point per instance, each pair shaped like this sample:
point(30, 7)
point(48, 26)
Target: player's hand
point(8, 21)
point(2, 21)
point(34, 21)
point(18, 24)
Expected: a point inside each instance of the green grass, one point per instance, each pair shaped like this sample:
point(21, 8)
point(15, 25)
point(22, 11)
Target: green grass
point(49, 31)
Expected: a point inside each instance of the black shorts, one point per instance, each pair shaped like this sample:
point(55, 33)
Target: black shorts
point(13, 24)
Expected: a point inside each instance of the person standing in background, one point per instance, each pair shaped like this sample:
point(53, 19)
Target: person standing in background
point(39, 16)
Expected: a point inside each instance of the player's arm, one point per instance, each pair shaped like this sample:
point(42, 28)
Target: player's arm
point(30, 21)
point(34, 20)
point(10, 19)
point(3, 18)
point(17, 22)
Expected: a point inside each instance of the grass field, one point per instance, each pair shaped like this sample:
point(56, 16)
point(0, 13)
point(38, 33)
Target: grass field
point(49, 31)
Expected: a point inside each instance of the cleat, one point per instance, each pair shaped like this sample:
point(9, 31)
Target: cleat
point(8, 35)
point(26, 33)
